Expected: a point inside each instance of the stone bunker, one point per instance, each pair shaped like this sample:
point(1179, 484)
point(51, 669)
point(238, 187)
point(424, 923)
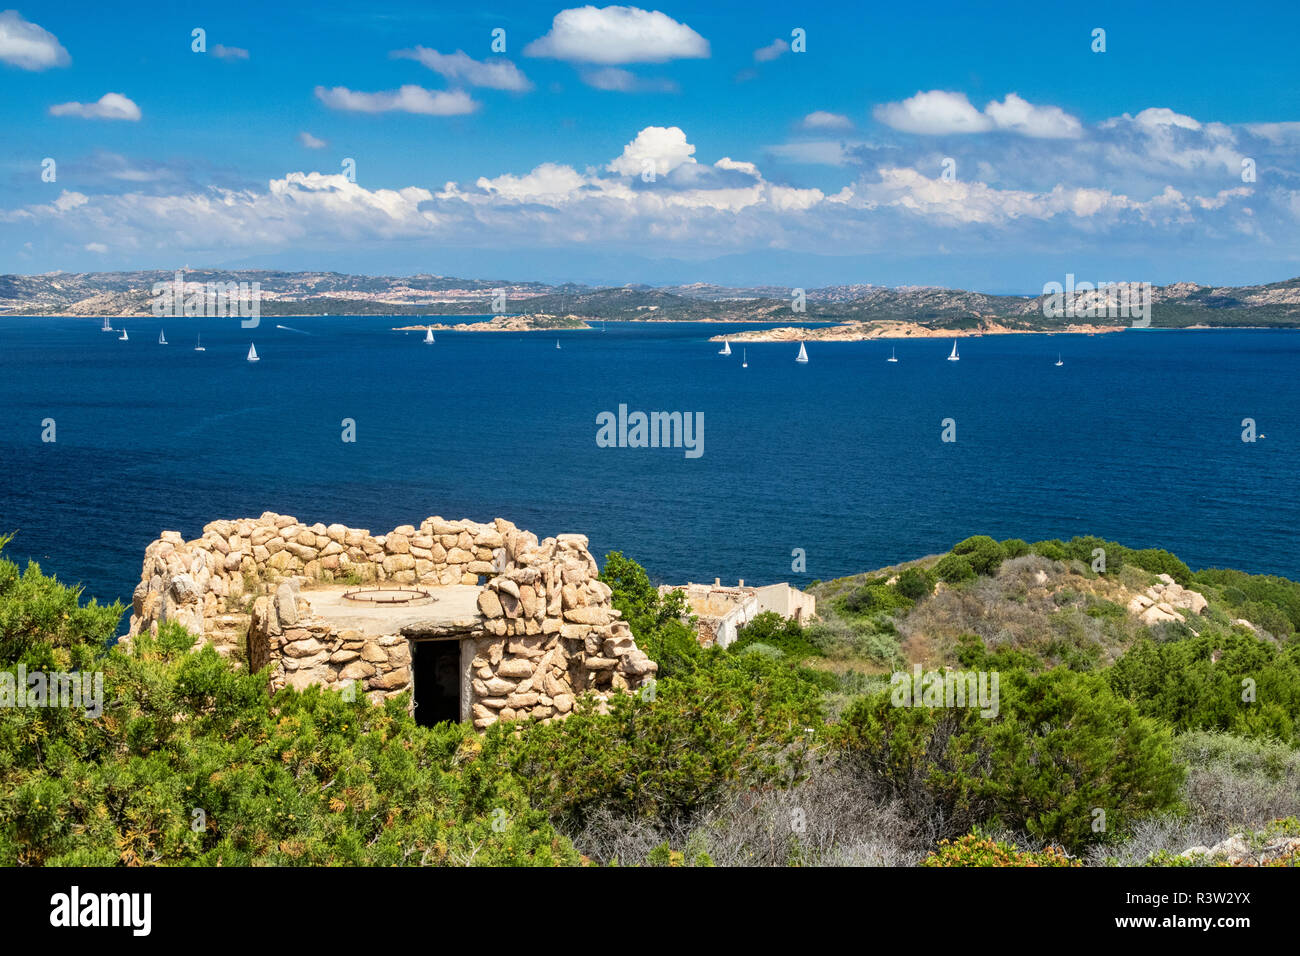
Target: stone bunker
point(481, 622)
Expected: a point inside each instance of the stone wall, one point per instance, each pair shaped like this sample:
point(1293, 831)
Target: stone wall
point(544, 632)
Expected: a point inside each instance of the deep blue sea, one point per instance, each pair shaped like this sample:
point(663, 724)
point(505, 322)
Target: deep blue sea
point(1137, 438)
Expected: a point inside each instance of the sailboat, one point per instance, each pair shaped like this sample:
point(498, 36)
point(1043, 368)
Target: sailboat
point(162, 337)
point(106, 327)
point(726, 348)
point(123, 336)
point(428, 336)
point(557, 343)
point(252, 352)
point(198, 346)
point(744, 358)
point(1058, 359)
point(953, 356)
point(892, 356)
point(803, 354)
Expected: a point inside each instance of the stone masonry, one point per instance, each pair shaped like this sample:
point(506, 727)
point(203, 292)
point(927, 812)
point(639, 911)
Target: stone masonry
point(540, 633)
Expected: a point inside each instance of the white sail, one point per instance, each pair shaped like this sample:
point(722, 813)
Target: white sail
point(1058, 359)
point(726, 348)
point(953, 356)
point(744, 358)
point(893, 357)
point(198, 345)
point(557, 343)
point(428, 336)
point(106, 327)
point(162, 337)
point(803, 354)
point(123, 337)
point(252, 352)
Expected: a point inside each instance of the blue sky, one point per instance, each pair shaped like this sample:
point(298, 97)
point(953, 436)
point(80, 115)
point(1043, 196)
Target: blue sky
point(913, 144)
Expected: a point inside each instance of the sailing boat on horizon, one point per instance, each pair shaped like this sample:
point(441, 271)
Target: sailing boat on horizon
point(744, 358)
point(557, 343)
point(953, 356)
point(162, 337)
point(106, 327)
point(892, 356)
point(1058, 359)
point(252, 353)
point(803, 354)
point(726, 348)
point(198, 345)
point(123, 337)
point(428, 336)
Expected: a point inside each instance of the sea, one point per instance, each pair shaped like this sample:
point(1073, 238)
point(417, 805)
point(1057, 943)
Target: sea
point(805, 471)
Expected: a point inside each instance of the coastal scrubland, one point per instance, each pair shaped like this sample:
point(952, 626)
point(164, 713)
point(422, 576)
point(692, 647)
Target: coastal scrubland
point(1115, 741)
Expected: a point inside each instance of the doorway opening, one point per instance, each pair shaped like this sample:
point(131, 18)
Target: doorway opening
point(435, 669)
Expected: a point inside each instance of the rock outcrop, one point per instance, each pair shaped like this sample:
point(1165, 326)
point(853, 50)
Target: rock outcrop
point(1237, 850)
point(1166, 601)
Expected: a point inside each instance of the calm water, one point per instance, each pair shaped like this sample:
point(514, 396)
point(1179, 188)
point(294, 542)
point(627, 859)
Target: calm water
point(1136, 438)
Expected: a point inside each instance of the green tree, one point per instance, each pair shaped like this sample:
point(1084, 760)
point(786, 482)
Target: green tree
point(983, 553)
point(661, 626)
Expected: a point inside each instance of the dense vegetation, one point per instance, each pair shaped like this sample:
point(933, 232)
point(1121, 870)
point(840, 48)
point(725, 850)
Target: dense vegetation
point(1111, 742)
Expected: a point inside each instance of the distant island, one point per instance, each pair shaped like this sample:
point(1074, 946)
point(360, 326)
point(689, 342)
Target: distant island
point(505, 323)
point(891, 312)
point(894, 329)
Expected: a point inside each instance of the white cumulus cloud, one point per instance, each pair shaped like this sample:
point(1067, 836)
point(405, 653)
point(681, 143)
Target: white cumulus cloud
point(665, 146)
point(939, 112)
point(612, 35)
point(932, 113)
point(27, 46)
point(1018, 115)
point(110, 106)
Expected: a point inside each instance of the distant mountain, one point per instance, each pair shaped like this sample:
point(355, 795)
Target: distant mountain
point(314, 293)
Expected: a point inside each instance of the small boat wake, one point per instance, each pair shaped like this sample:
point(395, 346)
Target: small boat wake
point(288, 329)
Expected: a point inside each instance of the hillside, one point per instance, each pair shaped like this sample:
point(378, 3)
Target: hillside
point(315, 293)
point(1162, 731)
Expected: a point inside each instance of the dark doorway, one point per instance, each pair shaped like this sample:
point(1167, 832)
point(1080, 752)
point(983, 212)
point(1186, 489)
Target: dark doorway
point(436, 670)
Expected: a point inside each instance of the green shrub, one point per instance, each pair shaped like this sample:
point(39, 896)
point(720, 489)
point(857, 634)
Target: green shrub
point(36, 609)
point(302, 778)
point(1240, 589)
point(727, 724)
point(915, 583)
point(983, 553)
point(1159, 561)
point(874, 597)
point(975, 849)
point(1061, 745)
point(1252, 689)
point(1015, 548)
point(954, 568)
point(1052, 550)
point(772, 630)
